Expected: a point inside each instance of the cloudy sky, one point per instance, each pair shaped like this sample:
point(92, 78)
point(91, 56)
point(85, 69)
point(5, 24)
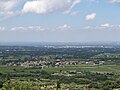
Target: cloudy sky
point(59, 20)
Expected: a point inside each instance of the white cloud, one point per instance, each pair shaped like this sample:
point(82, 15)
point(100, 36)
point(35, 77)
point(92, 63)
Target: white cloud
point(8, 4)
point(106, 25)
point(28, 28)
point(7, 9)
point(39, 28)
point(8, 14)
point(2, 28)
point(115, 1)
point(48, 6)
point(64, 27)
point(37, 6)
point(90, 16)
point(72, 5)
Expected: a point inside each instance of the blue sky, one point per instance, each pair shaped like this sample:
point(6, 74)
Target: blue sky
point(59, 20)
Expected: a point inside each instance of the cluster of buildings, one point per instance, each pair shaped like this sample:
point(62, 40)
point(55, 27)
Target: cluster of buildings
point(54, 63)
point(72, 46)
point(42, 63)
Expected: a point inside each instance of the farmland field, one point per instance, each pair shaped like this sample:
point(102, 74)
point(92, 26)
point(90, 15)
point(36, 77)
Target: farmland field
point(90, 68)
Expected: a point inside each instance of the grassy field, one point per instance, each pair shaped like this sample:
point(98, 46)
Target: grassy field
point(7, 69)
point(91, 68)
point(96, 68)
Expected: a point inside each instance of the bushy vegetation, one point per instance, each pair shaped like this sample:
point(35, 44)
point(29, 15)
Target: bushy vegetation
point(105, 76)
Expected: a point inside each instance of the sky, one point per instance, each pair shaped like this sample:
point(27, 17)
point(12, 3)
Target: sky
point(59, 20)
